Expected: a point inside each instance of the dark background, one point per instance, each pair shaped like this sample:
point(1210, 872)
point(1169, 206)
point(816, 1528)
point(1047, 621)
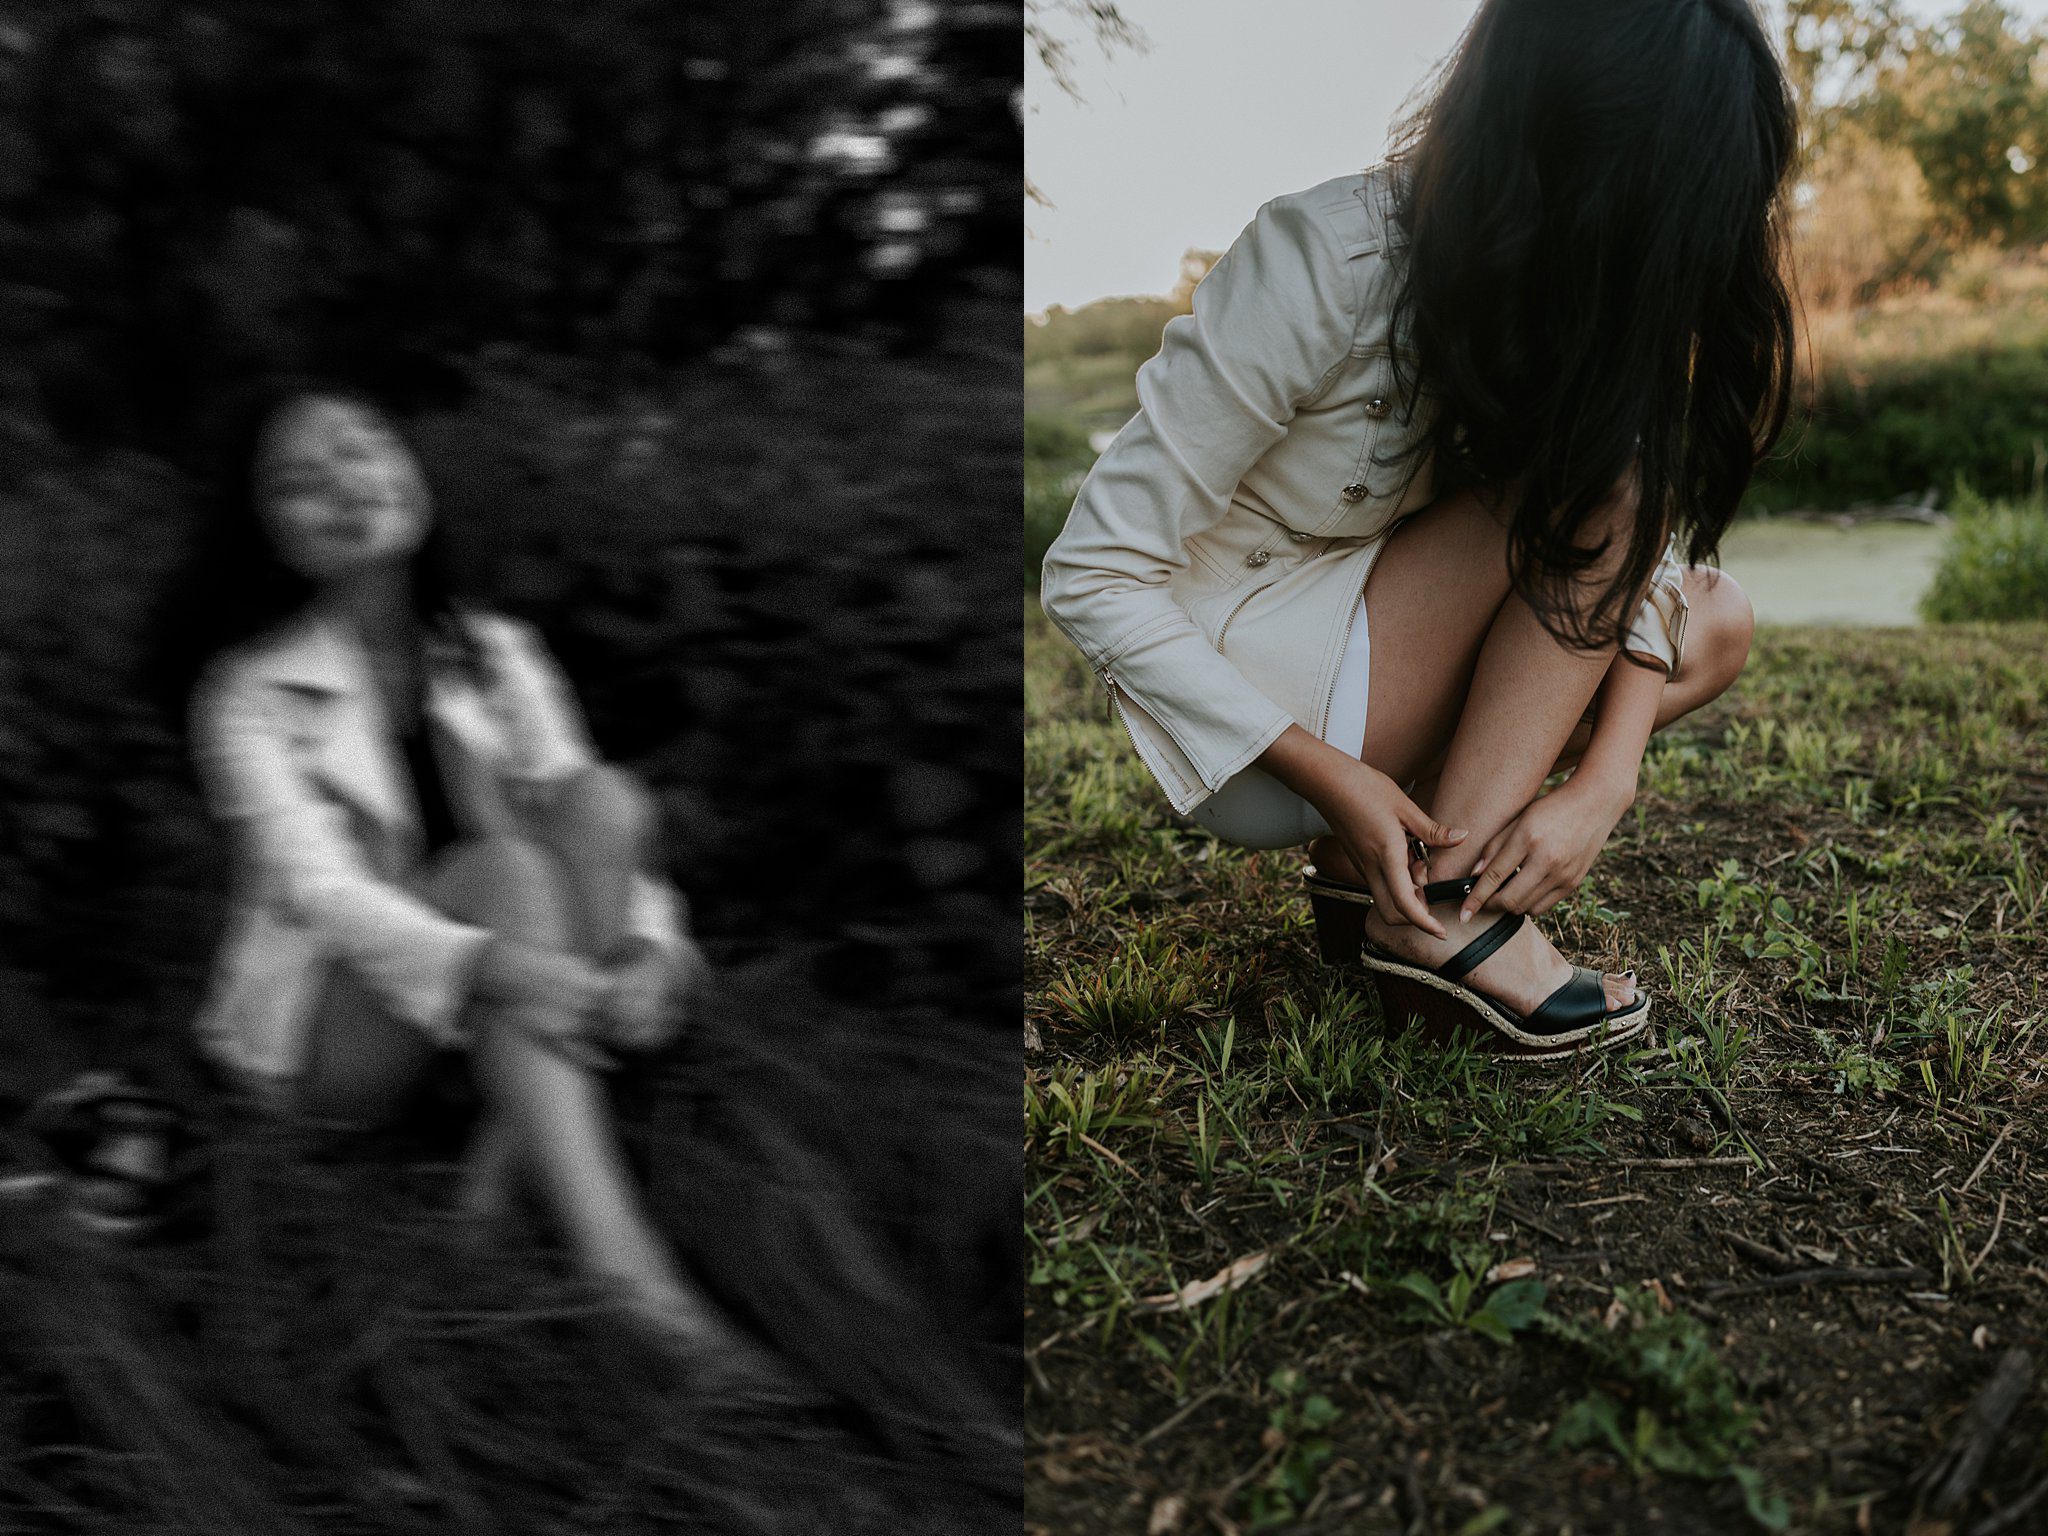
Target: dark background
point(701, 318)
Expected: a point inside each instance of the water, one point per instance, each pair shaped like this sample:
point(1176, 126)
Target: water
point(1815, 573)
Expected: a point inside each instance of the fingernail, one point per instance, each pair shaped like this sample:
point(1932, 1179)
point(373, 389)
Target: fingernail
point(1456, 833)
point(1464, 914)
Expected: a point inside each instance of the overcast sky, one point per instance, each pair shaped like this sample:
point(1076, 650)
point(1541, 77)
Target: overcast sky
point(1235, 102)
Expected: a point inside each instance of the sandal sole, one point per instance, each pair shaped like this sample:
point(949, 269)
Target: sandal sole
point(1448, 1011)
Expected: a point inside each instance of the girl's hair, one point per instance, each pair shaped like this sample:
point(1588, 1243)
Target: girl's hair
point(234, 587)
point(1594, 283)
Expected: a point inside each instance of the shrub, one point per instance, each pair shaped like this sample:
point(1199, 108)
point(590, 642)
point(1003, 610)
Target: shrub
point(1897, 428)
point(1995, 566)
point(1056, 456)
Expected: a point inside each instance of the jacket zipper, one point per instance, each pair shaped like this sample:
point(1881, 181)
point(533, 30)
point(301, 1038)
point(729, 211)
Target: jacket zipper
point(1234, 612)
point(1158, 770)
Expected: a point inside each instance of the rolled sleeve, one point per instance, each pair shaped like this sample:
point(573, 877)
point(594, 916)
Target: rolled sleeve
point(1271, 324)
point(416, 960)
point(1657, 632)
point(536, 708)
point(654, 911)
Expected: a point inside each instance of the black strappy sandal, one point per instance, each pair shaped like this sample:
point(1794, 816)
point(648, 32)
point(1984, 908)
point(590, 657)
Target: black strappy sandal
point(1575, 1017)
point(128, 1167)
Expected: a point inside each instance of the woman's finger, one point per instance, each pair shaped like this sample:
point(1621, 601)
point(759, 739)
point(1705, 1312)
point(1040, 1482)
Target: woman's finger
point(1407, 900)
point(1424, 827)
point(1500, 868)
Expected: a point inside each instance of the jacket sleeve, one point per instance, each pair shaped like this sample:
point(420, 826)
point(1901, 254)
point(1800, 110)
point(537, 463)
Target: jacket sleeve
point(1271, 324)
point(298, 847)
point(550, 742)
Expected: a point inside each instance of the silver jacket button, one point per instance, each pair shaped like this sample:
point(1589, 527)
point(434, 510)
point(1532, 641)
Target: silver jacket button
point(1353, 493)
point(1257, 558)
point(1377, 408)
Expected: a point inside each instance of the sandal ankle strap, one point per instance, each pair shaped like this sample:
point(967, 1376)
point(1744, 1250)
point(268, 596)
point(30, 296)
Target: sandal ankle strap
point(1437, 892)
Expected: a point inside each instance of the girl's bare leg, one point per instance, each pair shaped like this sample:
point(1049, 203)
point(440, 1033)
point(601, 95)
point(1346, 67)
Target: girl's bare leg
point(1718, 631)
point(599, 829)
point(553, 1113)
point(1462, 668)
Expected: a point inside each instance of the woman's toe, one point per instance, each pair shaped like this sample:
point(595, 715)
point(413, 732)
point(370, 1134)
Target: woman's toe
point(1621, 989)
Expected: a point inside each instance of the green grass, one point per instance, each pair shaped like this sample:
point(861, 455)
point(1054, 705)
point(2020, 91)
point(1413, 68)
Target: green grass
point(1833, 885)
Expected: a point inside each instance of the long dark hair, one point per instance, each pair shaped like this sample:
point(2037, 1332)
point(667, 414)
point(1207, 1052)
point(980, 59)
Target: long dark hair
point(234, 587)
point(1594, 284)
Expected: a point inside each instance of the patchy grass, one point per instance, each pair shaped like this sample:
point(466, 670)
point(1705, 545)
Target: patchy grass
point(1290, 1267)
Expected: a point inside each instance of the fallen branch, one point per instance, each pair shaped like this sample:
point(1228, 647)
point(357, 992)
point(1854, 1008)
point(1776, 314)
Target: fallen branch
point(1800, 1278)
point(1604, 1164)
point(1952, 1476)
point(1763, 1253)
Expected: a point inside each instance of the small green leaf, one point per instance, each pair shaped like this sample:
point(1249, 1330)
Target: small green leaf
point(1484, 1321)
point(1517, 1302)
point(1491, 1518)
point(1318, 1412)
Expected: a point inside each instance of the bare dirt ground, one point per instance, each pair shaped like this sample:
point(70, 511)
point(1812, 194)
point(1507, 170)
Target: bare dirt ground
point(1291, 1268)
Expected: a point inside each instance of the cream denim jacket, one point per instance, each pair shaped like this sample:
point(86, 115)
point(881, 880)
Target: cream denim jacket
point(1263, 447)
point(299, 762)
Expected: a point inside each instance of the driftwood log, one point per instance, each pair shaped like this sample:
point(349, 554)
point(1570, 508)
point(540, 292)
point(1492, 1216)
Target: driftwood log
point(1924, 508)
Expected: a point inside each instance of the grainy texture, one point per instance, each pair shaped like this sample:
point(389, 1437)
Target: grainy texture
point(767, 584)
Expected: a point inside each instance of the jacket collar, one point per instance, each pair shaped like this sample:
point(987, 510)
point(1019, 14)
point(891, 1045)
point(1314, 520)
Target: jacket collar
point(321, 654)
point(316, 652)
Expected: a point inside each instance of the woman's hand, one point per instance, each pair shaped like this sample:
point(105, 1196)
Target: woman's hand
point(642, 1010)
point(1540, 857)
point(1374, 821)
point(561, 992)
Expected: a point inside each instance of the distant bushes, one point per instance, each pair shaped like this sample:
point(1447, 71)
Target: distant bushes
point(1995, 566)
point(1056, 455)
point(1915, 423)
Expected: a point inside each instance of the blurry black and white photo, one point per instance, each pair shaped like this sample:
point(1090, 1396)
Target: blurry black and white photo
point(509, 702)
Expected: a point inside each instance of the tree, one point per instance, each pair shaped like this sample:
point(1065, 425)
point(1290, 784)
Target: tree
point(1969, 103)
point(1049, 33)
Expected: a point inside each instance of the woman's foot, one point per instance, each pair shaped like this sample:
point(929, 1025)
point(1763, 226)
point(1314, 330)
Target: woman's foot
point(713, 1355)
point(1521, 973)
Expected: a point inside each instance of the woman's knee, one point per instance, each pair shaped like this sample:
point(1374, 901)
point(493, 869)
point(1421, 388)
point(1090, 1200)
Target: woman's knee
point(606, 812)
point(1720, 625)
point(504, 882)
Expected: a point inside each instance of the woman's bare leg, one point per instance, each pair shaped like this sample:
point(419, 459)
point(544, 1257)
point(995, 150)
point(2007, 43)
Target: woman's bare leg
point(1463, 669)
point(600, 826)
point(599, 829)
point(1719, 629)
point(552, 1112)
